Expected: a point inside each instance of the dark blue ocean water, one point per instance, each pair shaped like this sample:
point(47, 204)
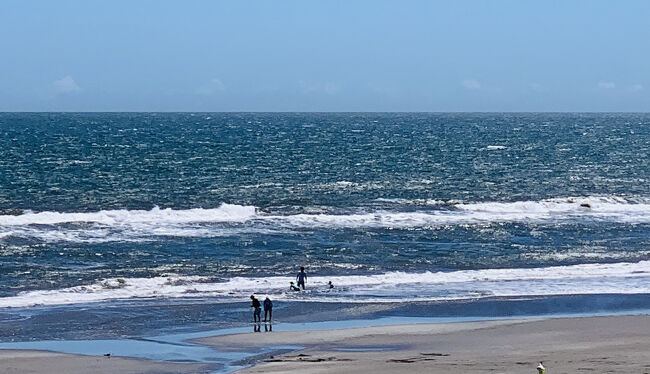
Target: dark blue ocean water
point(421, 207)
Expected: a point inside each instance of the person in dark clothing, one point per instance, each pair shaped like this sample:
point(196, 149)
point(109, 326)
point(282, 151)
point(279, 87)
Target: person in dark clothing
point(257, 309)
point(330, 285)
point(292, 287)
point(268, 309)
point(301, 277)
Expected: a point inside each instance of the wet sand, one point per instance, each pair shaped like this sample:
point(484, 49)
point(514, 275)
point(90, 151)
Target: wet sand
point(29, 361)
point(619, 344)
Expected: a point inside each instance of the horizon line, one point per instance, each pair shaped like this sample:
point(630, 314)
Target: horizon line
point(328, 112)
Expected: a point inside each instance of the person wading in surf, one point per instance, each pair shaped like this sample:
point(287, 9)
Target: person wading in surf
point(301, 277)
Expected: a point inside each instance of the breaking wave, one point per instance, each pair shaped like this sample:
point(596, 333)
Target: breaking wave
point(229, 219)
point(622, 278)
point(225, 213)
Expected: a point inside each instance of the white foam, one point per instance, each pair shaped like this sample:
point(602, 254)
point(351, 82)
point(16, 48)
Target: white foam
point(613, 209)
point(609, 208)
point(411, 201)
point(225, 213)
point(621, 278)
point(143, 225)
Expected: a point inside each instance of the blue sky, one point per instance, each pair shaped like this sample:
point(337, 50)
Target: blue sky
point(353, 55)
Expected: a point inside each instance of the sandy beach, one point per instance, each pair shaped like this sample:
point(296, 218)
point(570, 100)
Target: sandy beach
point(616, 344)
point(569, 345)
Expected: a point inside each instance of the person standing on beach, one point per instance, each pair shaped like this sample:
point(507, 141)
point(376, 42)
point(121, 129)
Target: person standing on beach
point(268, 309)
point(257, 309)
point(301, 277)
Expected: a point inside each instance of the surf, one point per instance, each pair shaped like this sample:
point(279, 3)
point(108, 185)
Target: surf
point(597, 278)
point(232, 219)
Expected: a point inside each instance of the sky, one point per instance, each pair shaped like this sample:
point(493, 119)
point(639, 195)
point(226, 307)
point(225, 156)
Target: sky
point(311, 55)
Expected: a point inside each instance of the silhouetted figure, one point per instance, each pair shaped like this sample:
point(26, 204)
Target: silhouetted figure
point(257, 327)
point(292, 287)
point(268, 327)
point(268, 309)
point(301, 277)
point(257, 309)
point(330, 285)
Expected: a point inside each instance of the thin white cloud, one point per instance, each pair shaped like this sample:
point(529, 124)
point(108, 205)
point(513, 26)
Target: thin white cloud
point(471, 84)
point(606, 85)
point(213, 86)
point(635, 88)
point(308, 86)
point(66, 85)
point(329, 88)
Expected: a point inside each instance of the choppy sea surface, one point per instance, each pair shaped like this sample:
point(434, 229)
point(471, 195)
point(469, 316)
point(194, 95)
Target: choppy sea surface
point(143, 212)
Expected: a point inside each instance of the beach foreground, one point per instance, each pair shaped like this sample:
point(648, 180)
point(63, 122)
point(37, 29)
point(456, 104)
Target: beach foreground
point(618, 344)
point(614, 344)
point(36, 362)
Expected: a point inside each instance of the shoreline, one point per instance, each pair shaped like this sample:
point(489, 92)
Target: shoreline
point(97, 321)
point(565, 344)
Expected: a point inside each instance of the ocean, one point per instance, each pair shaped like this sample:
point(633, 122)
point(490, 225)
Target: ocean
point(118, 224)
